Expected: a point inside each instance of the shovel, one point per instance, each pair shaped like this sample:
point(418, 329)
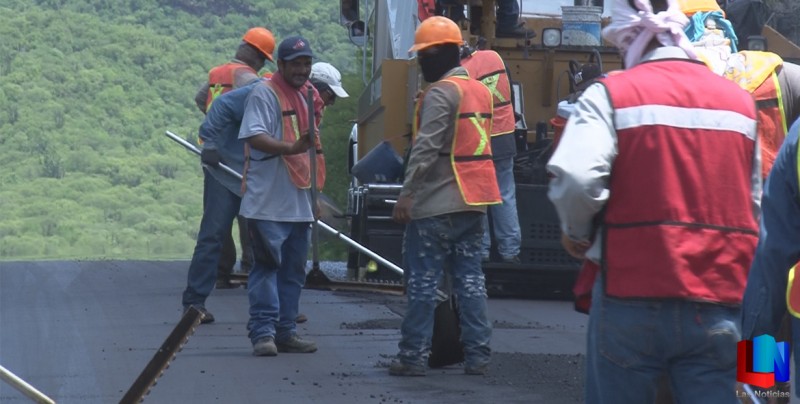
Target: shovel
point(315, 272)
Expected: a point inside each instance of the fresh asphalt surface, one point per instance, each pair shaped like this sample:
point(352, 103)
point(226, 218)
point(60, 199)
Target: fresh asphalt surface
point(82, 331)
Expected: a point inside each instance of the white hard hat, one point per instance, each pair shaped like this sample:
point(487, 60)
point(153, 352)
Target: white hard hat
point(325, 73)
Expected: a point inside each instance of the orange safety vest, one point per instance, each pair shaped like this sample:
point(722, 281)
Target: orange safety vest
point(471, 151)
point(299, 165)
point(221, 78)
point(487, 67)
point(771, 123)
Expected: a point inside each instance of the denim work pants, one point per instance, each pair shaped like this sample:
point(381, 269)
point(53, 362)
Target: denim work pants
point(278, 275)
point(632, 342)
point(430, 245)
point(220, 207)
point(505, 222)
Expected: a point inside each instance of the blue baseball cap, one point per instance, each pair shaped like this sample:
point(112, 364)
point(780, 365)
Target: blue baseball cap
point(294, 47)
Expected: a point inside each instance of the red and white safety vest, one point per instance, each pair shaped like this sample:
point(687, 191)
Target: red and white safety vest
point(678, 222)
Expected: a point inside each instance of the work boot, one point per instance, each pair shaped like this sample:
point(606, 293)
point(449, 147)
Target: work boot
point(296, 344)
point(476, 370)
point(514, 31)
point(265, 347)
point(301, 318)
point(206, 318)
point(514, 259)
point(398, 368)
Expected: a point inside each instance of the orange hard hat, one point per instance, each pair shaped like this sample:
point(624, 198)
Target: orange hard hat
point(261, 39)
point(436, 30)
point(689, 7)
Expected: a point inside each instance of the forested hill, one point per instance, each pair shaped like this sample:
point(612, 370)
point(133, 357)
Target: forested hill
point(87, 90)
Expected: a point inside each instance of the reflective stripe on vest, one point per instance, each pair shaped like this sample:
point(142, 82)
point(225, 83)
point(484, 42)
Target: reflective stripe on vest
point(221, 80)
point(771, 122)
point(487, 67)
point(471, 150)
point(298, 165)
point(677, 223)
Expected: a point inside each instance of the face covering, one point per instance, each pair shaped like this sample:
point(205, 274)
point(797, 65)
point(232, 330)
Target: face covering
point(436, 61)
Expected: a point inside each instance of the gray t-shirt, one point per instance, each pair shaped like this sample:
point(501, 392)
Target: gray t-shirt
point(270, 194)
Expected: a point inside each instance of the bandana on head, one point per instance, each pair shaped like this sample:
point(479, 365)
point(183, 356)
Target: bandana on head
point(631, 30)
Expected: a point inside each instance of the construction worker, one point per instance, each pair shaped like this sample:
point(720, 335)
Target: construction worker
point(487, 67)
point(221, 191)
point(221, 194)
point(449, 181)
point(253, 52)
point(328, 82)
point(277, 199)
point(773, 285)
point(657, 181)
point(255, 49)
point(774, 83)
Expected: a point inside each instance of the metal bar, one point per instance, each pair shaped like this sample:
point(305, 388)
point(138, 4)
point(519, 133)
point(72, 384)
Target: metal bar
point(314, 200)
point(23, 387)
point(160, 361)
point(321, 224)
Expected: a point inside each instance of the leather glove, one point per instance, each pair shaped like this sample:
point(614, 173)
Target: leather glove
point(210, 157)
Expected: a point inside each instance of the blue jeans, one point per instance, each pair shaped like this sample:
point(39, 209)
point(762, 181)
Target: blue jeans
point(280, 250)
point(505, 222)
point(632, 342)
point(220, 207)
point(430, 245)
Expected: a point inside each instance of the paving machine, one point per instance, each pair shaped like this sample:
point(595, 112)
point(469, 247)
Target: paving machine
point(547, 71)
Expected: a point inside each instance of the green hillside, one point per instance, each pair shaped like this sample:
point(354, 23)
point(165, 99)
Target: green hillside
point(87, 90)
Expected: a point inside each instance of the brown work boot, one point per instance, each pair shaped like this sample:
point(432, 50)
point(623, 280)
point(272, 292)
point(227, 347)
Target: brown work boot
point(398, 368)
point(265, 347)
point(296, 344)
point(301, 318)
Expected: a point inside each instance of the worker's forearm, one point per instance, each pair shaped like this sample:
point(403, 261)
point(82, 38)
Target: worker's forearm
point(267, 144)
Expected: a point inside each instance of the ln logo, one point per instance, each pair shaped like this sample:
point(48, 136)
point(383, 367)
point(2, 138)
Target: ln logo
point(762, 361)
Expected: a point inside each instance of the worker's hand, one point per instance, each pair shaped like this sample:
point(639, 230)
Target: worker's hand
point(210, 157)
point(402, 209)
point(300, 146)
point(575, 248)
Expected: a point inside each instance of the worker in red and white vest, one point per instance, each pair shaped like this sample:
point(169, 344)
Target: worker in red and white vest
point(657, 180)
